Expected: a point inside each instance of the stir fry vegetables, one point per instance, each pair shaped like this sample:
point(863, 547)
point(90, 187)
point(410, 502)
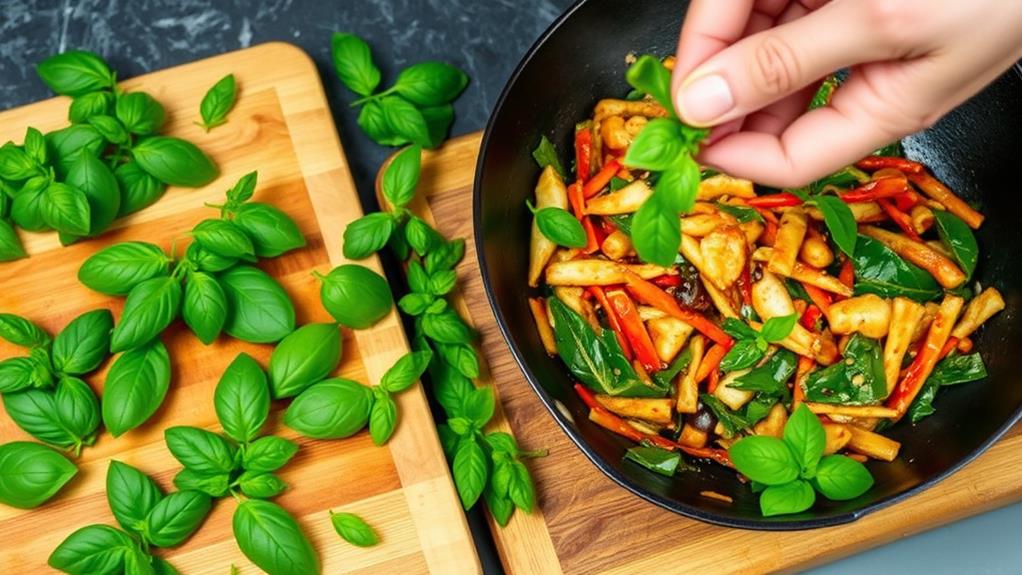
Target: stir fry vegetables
point(778, 332)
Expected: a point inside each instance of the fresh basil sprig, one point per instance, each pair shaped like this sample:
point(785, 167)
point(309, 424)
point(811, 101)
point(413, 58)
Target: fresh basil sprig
point(751, 345)
point(368, 234)
point(217, 102)
point(793, 467)
point(416, 109)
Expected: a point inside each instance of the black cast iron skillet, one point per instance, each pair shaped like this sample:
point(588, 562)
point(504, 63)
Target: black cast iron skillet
point(976, 150)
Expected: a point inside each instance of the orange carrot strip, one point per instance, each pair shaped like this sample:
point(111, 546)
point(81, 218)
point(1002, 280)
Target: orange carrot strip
point(900, 218)
point(601, 179)
point(649, 294)
point(633, 328)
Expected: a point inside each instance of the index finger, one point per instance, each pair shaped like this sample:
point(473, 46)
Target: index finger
point(709, 27)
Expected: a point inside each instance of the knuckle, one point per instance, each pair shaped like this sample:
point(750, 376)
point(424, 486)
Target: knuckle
point(775, 66)
point(895, 23)
point(895, 109)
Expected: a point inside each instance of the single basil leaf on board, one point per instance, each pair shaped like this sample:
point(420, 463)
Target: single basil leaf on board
point(117, 269)
point(212, 484)
point(546, 155)
point(30, 474)
point(131, 495)
point(140, 113)
point(174, 161)
point(470, 469)
point(353, 61)
point(138, 189)
point(10, 244)
point(793, 497)
point(840, 222)
point(272, 231)
point(649, 75)
point(374, 124)
point(135, 387)
point(77, 408)
point(92, 550)
point(405, 120)
point(438, 122)
point(331, 409)
point(242, 399)
point(260, 311)
point(561, 227)
point(880, 271)
point(355, 296)
point(272, 539)
point(91, 104)
point(303, 358)
point(402, 176)
point(35, 412)
point(200, 450)
point(261, 485)
point(27, 205)
point(354, 529)
point(658, 146)
point(243, 190)
point(66, 209)
point(225, 238)
point(268, 453)
point(93, 178)
point(110, 128)
point(75, 72)
point(840, 478)
point(22, 332)
point(858, 380)
point(805, 436)
point(764, 459)
point(367, 235)
point(150, 307)
point(175, 517)
point(204, 308)
point(430, 83)
point(959, 239)
point(382, 418)
point(656, 232)
point(16, 374)
point(217, 102)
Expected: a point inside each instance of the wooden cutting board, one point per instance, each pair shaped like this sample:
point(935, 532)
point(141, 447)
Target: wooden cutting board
point(590, 525)
point(282, 127)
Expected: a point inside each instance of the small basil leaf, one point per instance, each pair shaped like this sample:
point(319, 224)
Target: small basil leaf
point(355, 296)
point(353, 62)
point(959, 239)
point(118, 269)
point(521, 490)
point(261, 485)
point(16, 374)
point(88, 105)
point(110, 128)
point(406, 371)
point(200, 450)
point(30, 474)
point(208, 261)
point(16, 164)
point(764, 459)
point(546, 155)
point(479, 406)
point(22, 332)
point(840, 222)
point(204, 308)
point(354, 529)
point(744, 354)
point(430, 83)
point(93, 178)
point(461, 356)
point(415, 303)
point(131, 495)
point(77, 408)
point(678, 186)
point(880, 271)
point(217, 102)
point(272, 539)
point(421, 236)
point(27, 206)
point(138, 189)
point(10, 244)
point(402, 176)
point(438, 122)
point(452, 389)
point(656, 232)
point(649, 75)
point(655, 459)
point(405, 120)
point(841, 478)
point(272, 231)
point(225, 238)
point(382, 418)
point(793, 497)
point(470, 469)
point(35, 412)
point(75, 72)
point(446, 327)
point(150, 307)
point(445, 257)
point(260, 311)
point(657, 147)
point(561, 227)
point(242, 399)
point(500, 507)
point(65, 145)
point(373, 122)
point(83, 345)
point(66, 209)
point(175, 517)
point(304, 357)
point(805, 436)
point(174, 161)
point(140, 113)
point(212, 484)
point(268, 453)
point(367, 235)
point(243, 189)
point(135, 387)
point(777, 328)
point(331, 409)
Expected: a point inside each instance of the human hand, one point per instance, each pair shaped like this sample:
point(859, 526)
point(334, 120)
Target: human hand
point(750, 67)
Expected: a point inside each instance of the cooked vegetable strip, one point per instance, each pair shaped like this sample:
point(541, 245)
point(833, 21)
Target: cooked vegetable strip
point(880, 162)
point(688, 385)
point(626, 200)
point(627, 316)
point(867, 314)
point(789, 240)
point(611, 107)
point(877, 189)
point(583, 152)
point(612, 319)
point(980, 309)
point(600, 179)
point(594, 272)
point(546, 332)
point(905, 317)
point(550, 193)
point(720, 300)
point(837, 437)
point(933, 188)
point(947, 274)
point(862, 212)
point(723, 185)
point(852, 410)
point(808, 275)
point(723, 254)
point(900, 218)
point(654, 296)
point(656, 410)
point(711, 362)
point(872, 444)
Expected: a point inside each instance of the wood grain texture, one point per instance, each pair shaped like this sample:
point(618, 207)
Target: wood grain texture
point(282, 127)
point(594, 526)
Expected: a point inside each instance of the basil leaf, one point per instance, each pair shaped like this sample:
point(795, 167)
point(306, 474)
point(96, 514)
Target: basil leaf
point(405, 120)
point(733, 422)
point(446, 327)
point(16, 165)
point(839, 220)
point(406, 371)
point(10, 244)
point(418, 279)
point(655, 459)
point(243, 189)
point(657, 147)
point(561, 227)
point(208, 261)
point(656, 232)
point(823, 94)
point(204, 308)
point(858, 380)
point(479, 406)
point(77, 408)
point(83, 345)
point(272, 539)
point(217, 102)
point(176, 517)
point(501, 507)
point(261, 485)
point(355, 296)
point(75, 72)
point(841, 478)
point(354, 529)
point(354, 63)
point(259, 309)
point(402, 176)
point(445, 256)
point(741, 213)
point(131, 495)
point(212, 484)
point(200, 450)
point(421, 236)
point(438, 122)
point(66, 209)
point(331, 409)
point(416, 303)
point(225, 238)
point(242, 399)
point(649, 75)
point(22, 332)
point(430, 83)
point(110, 128)
point(272, 232)
point(959, 239)
point(745, 354)
point(664, 377)
point(461, 356)
point(678, 186)
point(470, 469)
point(140, 113)
point(367, 235)
point(138, 562)
point(546, 155)
point(30, 474)
point(138, 189)
point(27, 206)
point(135, 387)
point(118, 269)
point(92, 550)
point(174, 161)
point(150, 307)
point(35, 412)
point(764, 459)
point(374, 124)
point(304, 357)
point(792, 497)
point(959, 369)
point(805, 436)
point(922, 406)
point(102, 192)
point(88, 105)
point(776, 329)
point(451, 389)
point(268, 453)
point(16, 374)
point(162, 567)
point(35, 146)
point(880, 271)
point(66, 145)
point(382, 417)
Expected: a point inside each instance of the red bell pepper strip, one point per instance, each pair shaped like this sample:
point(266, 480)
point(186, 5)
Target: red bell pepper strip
point(612, 319)
point(745, 285)
point(710, 364)
point(915, 376)
point(821, 298)
point(810, 317)
point(769, 236)
point(667, 280)
point(631, 324)
point(780, 200)
point(900, 218)
point(578, 203)
point(583, 154)
point(649, 294)
point(876, 189)
point(601, 179)
point(907, 200)
point(593, 240)
point(847, 274)
point(607, 226)
point(880, 162)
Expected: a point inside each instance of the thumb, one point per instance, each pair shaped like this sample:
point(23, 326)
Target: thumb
point(765, 67)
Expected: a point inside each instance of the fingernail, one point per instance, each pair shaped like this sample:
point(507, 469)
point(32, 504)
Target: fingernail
point(706, 99)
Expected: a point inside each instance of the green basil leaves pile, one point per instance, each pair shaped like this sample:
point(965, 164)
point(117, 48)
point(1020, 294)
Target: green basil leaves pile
point(147, 518)
point(42, 391)
point(108, 163)
point(416, 109)
point(787, 471)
